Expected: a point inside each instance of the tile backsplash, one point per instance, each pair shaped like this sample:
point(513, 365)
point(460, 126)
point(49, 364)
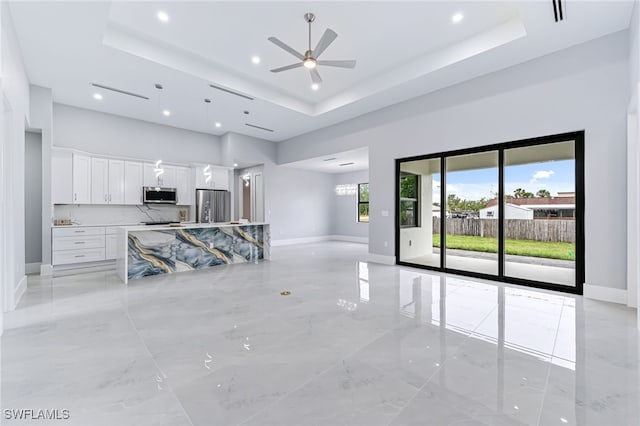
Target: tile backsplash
point(117, 215)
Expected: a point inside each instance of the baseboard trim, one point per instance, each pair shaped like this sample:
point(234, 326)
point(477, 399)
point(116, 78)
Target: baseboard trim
point(32, 268)
point(46, 270)
point(20, 290)
point(292, 241)
point(349, 238)
point(605, 294)
point(380, 258)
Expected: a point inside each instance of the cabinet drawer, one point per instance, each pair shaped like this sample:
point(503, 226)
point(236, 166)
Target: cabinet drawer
point(77, 256)
point(78, 242)
point(69, 232)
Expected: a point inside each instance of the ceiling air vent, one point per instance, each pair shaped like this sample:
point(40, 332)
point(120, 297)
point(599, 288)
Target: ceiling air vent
point(558, 13)
point(346, 164)
point(329, 159)
point(231, 92)
point(258, 127)
point(122, 92)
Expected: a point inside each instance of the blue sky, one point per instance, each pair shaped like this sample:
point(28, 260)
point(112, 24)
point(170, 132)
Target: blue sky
point(554, 176)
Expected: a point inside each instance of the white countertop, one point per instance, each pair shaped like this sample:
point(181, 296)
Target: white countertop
point(75, 225)
point(187, 226)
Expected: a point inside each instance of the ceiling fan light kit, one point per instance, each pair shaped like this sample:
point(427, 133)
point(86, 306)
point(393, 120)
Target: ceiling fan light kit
point(310, 58)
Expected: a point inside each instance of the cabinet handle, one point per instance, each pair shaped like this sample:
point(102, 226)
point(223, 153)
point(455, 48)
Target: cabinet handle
point(105, 197)
point(79, 242)
point(75, 196)
point(78, 232)
point(79, 255)
point(109, 197)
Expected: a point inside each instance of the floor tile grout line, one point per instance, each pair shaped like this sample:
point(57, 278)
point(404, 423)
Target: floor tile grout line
point(350, 354)
point(466, 339)
point(146, 348)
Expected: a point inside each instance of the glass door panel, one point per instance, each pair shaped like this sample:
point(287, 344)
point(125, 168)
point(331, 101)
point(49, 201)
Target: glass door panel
point(420, 212)
point(540, 213)
point(471, 238)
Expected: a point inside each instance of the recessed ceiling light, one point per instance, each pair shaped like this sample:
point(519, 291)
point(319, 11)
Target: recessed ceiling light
point(218, 124)
point(255, 60)
point(457, 18)
point(163, 16)
point(166, 112)
point(235, 164)
point(97, 96)
point(315, 86)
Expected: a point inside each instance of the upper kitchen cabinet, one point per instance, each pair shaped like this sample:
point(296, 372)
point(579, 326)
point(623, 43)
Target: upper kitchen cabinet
point(184, 186)
point(61, 176)
point(99, 181)
point(212, 177)
point(116, 182)
point(81, 179)
point(107, 181)
point(164, 179)
point(133, 182)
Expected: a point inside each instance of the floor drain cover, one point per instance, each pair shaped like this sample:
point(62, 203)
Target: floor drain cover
point(285, 293)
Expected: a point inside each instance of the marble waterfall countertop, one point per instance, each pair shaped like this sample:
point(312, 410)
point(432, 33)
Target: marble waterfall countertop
point(146, 250)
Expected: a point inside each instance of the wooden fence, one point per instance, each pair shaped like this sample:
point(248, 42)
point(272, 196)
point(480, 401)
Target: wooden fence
point(516, 229)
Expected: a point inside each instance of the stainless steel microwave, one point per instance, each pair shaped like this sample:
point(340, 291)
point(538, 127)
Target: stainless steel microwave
point(155, 195)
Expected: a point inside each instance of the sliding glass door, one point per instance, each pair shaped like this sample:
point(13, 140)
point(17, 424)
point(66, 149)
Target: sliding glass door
point(471, 243)
point(512, 212)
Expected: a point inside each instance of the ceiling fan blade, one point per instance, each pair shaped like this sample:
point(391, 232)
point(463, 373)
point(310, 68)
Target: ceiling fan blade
point(286, 47)
point(339, 64)
point(324, 42)
point(315, 76)
point(288, 67)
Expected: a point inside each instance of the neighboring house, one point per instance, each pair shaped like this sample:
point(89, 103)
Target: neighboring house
point(512, 211)
point(562, 206)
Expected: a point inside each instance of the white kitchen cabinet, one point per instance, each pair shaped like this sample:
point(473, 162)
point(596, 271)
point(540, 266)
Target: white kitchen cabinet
point(116, 182)
point(133, 182)
point(107, 181)
point(220, 178)
point(212, 177)
point(81, 179)
point(168, 179)
point(110, 247)
point(184, 187)
point(77, 245)
point(61, 177)
point(164, 180)
point(99, 181)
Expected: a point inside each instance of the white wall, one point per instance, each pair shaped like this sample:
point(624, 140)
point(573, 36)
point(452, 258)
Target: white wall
point(511, 212)
point(41, 112)
point(107, 134)
point(15, 102)
point(584, 87)
point(33, 198)
point(296, 201)
point(344, 214)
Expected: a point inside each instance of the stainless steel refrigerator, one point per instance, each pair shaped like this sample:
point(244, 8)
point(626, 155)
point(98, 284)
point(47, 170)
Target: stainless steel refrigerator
point(213, 206)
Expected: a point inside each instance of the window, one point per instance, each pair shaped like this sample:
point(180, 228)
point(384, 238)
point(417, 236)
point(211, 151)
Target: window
point(363, 202)
point(409, 200)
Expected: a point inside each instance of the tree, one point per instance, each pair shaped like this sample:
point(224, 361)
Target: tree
point(542, 193)
point(521, 193)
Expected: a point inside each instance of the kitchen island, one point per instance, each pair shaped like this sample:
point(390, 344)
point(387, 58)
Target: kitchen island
point(165, 249)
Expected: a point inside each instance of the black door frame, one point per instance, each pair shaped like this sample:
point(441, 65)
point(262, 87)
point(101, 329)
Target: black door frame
point(577, 137)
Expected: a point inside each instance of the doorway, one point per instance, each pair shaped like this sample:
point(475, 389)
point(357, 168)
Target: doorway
point(510, 212)
point(250, 198)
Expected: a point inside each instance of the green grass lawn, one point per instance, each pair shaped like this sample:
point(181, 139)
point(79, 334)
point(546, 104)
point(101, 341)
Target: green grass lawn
point(564, 251)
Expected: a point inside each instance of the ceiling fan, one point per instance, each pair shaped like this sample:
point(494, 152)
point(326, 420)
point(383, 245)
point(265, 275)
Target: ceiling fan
point(310, 58)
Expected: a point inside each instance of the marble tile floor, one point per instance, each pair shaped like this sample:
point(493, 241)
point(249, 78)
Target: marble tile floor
point(355, 343)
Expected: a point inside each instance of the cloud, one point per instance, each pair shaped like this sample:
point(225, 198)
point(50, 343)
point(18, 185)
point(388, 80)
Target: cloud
point(541, 174)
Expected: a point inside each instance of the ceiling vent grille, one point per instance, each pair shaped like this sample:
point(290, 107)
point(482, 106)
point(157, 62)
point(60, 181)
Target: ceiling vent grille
point(122, 92)
point(346, 164)
point(258, 127)
point(558, 12)
point(231, 92)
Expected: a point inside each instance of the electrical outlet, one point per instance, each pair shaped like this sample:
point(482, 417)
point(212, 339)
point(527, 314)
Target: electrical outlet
point(210, 245)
